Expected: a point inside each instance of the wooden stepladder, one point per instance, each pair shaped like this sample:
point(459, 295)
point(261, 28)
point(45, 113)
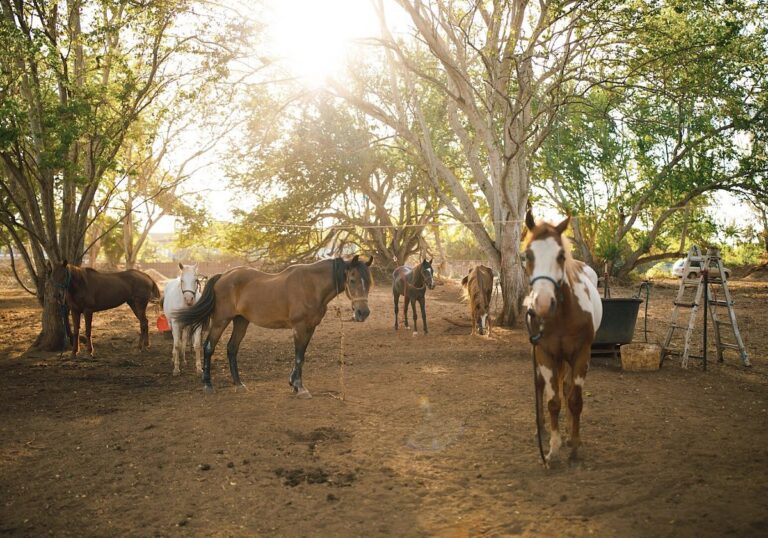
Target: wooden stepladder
point(717, 295)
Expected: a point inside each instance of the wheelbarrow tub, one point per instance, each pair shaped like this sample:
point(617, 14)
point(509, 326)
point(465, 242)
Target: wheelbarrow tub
point(618, 324)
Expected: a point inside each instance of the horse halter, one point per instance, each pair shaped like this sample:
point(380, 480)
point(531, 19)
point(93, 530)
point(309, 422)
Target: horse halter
point(194, 291)
point(352, 299)
point(558, 285)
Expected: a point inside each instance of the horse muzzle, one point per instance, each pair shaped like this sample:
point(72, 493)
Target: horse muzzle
point(361, 312)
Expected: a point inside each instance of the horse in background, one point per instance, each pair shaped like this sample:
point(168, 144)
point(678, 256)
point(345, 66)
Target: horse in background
point(86, 290)
point(412, 284)
point(478, 288)
point(296, 298)
point(566, 310)
point(182, 292)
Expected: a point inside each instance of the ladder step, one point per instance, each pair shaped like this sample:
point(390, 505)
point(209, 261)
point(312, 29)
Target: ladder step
point(723, 322)
point(686, 305)
point(730, 346)
point(719, 303)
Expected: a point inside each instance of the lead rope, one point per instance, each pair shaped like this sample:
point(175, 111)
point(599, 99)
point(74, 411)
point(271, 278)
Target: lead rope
point(534, 339)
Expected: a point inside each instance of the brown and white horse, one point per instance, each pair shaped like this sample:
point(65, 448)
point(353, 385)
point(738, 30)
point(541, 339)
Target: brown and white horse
point(478, 288)
point(566, 310)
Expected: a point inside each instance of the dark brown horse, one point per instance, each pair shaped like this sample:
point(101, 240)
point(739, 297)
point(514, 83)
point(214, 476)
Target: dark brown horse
point(478, 288)
point(86, 291)
point(566, 310)
point(412, 284)
point(296, 298)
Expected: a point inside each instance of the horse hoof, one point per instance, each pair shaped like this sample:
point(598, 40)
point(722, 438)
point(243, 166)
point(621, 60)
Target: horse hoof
point(241, 388)
point(176, 373)
point(208, 389)
point(415, 333)
point(303, 394)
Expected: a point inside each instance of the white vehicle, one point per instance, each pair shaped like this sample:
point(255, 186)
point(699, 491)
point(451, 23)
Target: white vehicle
point(694, 269)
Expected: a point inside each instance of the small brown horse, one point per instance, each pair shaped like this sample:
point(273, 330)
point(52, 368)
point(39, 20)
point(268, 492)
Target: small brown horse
point(412, 284)
point(478, 287)
point(566, 312)
point(296, 298)
point(86, 291)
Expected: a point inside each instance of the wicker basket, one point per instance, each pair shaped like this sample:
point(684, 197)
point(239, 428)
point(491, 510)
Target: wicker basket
point(640, 357)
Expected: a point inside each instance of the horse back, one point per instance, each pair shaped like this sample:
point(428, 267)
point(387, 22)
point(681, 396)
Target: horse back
point(400, 276)
point(269, 300)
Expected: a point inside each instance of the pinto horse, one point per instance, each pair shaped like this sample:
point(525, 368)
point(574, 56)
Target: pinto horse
point(296, 298)
point(86, 291)
point(566, 311)
point(412, 284)
point(478, 287)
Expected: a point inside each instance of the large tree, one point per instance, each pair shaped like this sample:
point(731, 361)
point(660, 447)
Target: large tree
point(684, 114)
point(75, 76)
point(326, 183)
point(473, 95)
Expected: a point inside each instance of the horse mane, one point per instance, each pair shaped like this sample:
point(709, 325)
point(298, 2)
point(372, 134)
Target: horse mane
point(572, 266)
point(338, 274)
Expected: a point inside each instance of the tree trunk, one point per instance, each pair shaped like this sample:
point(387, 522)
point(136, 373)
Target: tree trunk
point(511, 275)
point(52, 337)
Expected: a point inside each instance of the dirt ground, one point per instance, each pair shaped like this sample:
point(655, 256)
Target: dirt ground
point(435, 438)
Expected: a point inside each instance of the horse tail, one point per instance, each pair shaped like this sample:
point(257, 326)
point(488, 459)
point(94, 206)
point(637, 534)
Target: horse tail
point(199, 313)
point(155, 295)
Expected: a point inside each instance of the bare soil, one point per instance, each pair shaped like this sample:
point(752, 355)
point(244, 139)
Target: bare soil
point(435, 436)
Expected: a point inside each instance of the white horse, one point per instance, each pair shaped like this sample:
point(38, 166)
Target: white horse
point(182, 292)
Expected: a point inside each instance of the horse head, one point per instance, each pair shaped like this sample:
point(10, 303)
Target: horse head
point(428, 273)
point(61, 279)
point(357, 284)
point(190, 283)
point(546, 253)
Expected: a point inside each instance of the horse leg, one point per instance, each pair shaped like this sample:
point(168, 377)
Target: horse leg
point(406, 302)
point(75, 332)
point(176, 330)
point(422, 303)
point(396, 297)
point(217, 327)
point(415, 318)
point(301, 337)
point(549, 372)
point(184, 341)
point(140, 312)
point(89, 340)
point(575, 401)
point(239, 326)
point(197, 338)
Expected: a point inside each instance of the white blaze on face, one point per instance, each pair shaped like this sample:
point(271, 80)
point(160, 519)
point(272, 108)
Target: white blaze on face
point(545, 253)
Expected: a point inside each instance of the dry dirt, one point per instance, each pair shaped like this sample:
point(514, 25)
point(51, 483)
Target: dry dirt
point(435, 438)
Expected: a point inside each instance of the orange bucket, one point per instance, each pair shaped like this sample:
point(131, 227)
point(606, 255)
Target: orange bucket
point(162, 324)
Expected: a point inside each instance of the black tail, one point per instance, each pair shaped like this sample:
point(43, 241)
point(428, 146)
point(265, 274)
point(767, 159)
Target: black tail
point(155, 296)
point(199, 313)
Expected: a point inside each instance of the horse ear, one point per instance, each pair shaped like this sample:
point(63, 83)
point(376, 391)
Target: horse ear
point(64, 262)
point(430, 261)
point(563, 225)
point(48, 266)
point(529, 220)
point(464, 281)
point(181, 266)
point(354, 259)
point(369, 262)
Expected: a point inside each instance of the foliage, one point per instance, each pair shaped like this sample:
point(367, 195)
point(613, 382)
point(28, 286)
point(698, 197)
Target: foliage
point(682, 117)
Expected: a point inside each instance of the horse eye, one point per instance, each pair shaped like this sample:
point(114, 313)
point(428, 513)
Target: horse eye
point(561, 257)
